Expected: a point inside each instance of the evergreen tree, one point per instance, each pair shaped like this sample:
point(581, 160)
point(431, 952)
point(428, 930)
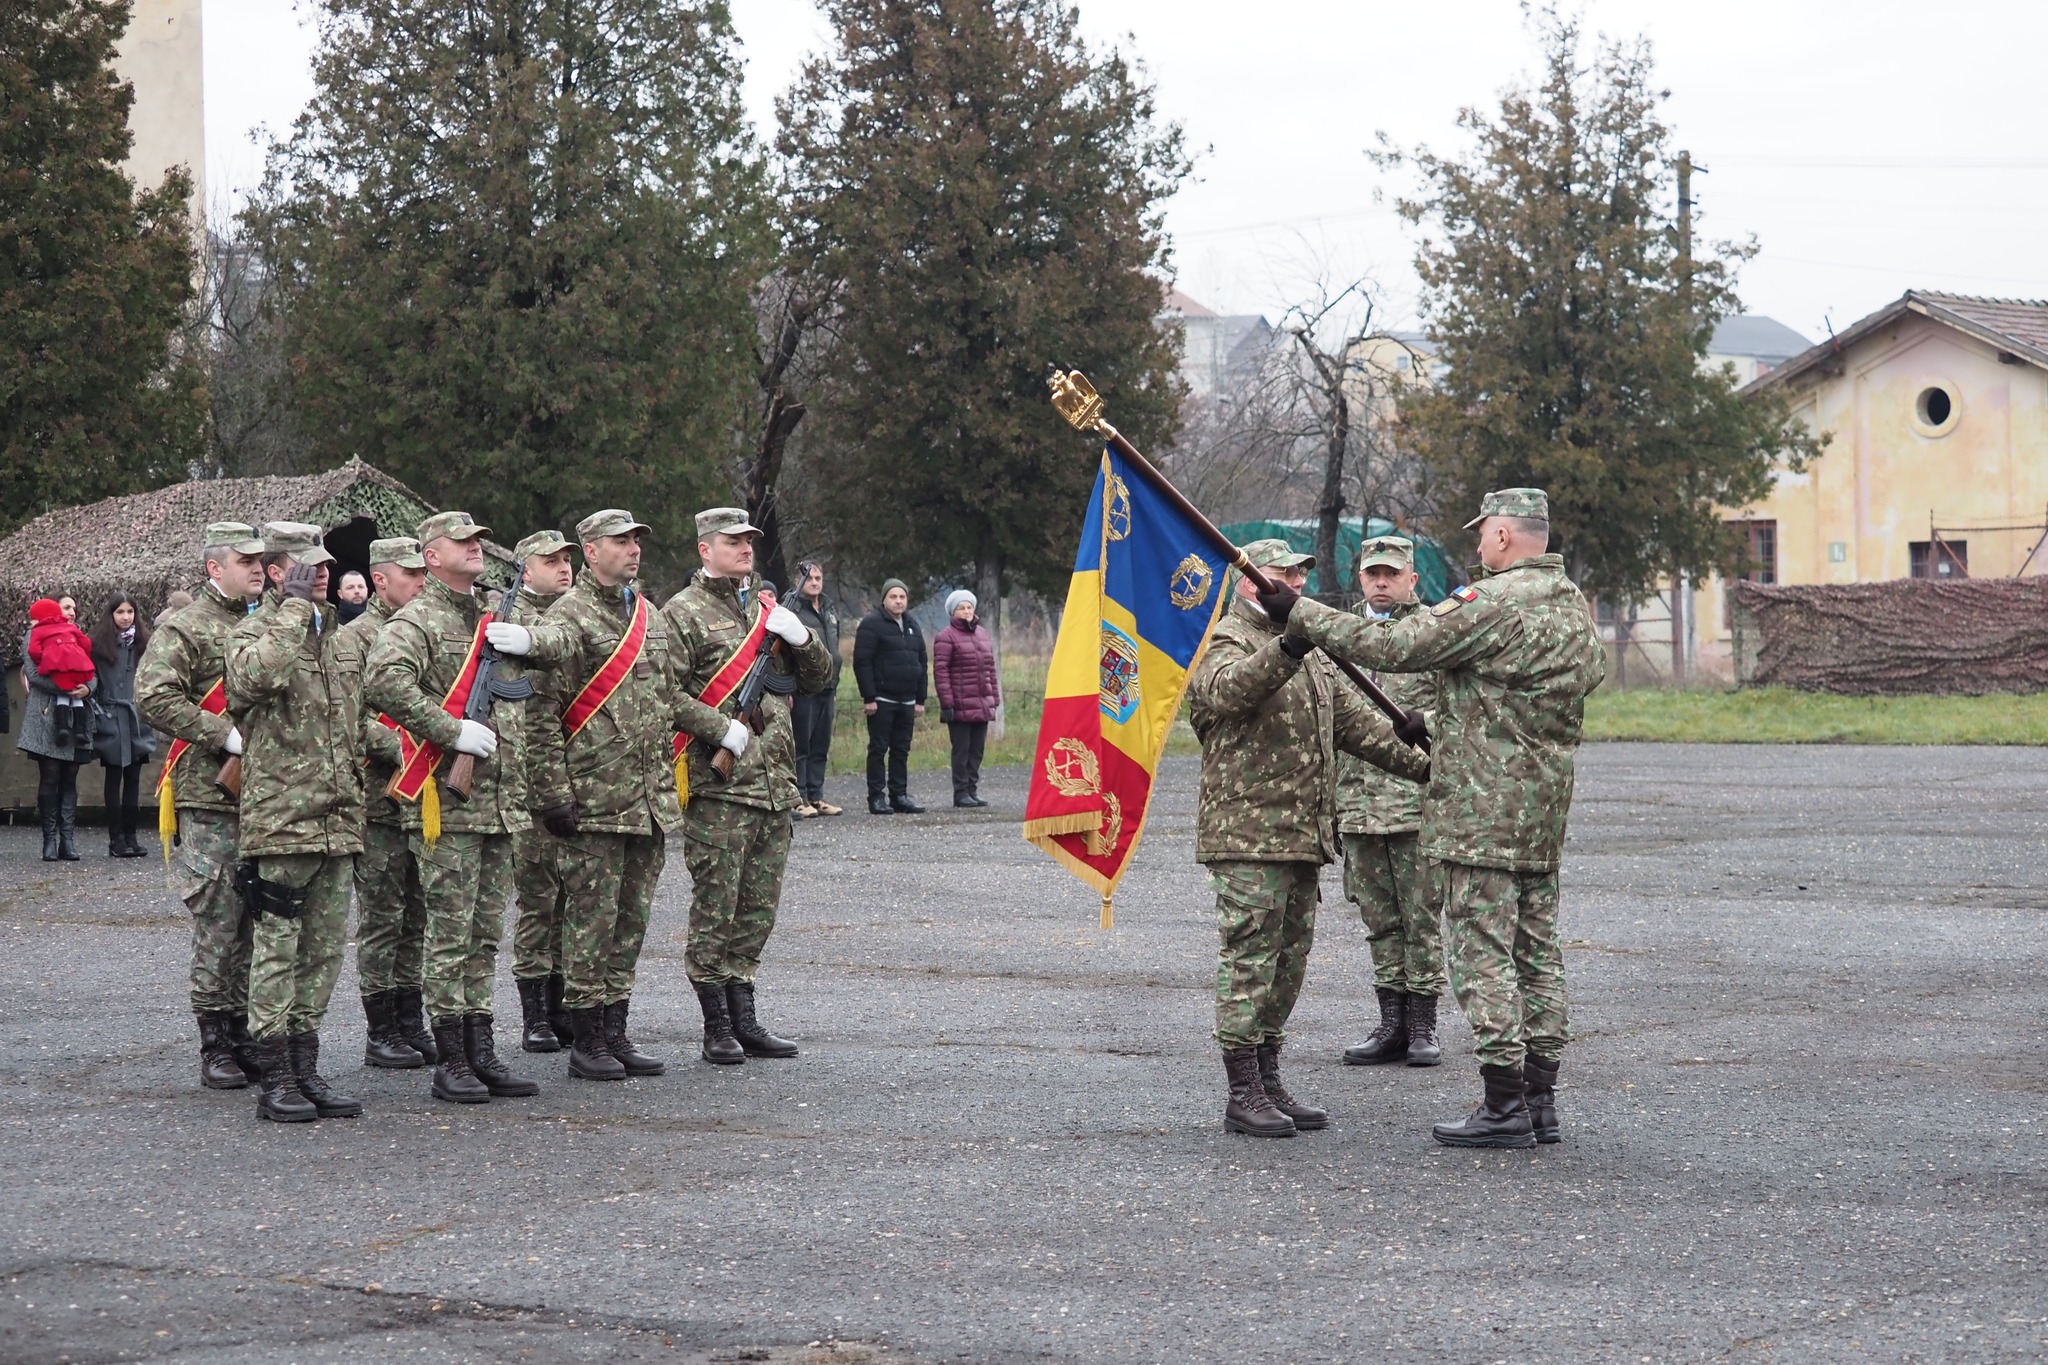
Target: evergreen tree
point(93, 275)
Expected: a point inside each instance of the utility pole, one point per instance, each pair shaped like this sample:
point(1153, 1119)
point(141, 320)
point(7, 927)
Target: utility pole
point(1681, 586)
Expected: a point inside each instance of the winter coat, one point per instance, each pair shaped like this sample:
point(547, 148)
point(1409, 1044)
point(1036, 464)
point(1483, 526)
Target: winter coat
point(823, 623)
point(964, 671)
point(61, 651)
point(121, 738)
point(889, 658)
point(38, 726)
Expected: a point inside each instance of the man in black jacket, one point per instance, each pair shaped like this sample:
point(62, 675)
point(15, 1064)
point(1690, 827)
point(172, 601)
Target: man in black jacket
point(889, 664)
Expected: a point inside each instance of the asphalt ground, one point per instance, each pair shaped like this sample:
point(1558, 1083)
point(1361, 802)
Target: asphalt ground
point(1802, 1117)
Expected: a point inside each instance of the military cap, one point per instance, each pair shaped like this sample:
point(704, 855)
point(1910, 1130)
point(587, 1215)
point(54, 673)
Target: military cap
point(402, 551)
point(299, 539)
point(1276, 554)
point(612, 521)
point(539, 543)
point(452, 525)
point(1532, 503)
point(238, 536)
point(1396, 552)
point(731, 521)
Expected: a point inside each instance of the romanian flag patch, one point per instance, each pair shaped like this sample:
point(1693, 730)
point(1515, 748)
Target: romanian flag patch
point(1458, 598)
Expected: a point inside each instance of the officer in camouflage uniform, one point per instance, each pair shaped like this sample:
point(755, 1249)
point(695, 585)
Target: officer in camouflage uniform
point(186, 657)
point(536, 860)
point(391, 917)
point(1385, 874)
point(1271, 718)
point(466, 871)
point(291, 690)
point(1517, 653)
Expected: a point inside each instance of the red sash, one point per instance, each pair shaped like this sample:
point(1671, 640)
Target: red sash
point(599, 689)
point(417, 760)
point(214, 703)
point(734, 670)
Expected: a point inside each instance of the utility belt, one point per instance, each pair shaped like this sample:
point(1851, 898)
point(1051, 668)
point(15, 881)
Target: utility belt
point(260, 898)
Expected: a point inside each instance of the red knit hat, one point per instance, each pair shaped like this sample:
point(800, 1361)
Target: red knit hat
point(44, 610)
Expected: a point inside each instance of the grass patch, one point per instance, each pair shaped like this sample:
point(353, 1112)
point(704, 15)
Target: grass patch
point(1776, 715)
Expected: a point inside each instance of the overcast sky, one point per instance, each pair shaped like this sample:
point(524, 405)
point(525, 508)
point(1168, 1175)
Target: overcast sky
point(1870, 148)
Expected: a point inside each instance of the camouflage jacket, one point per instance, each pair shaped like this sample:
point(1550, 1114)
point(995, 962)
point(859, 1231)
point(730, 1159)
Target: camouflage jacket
point(1370, 801)
point(1270, 728)
point(291, 692)
point(419, 652)
point(529, 608)
point(1517, 654)
point(620, 767)
point(707, 623)
point(186, 657)
point(380, 741)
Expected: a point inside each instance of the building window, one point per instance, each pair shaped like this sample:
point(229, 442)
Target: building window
point(1939, 559)
point(1762, 550)
point(1935, 410)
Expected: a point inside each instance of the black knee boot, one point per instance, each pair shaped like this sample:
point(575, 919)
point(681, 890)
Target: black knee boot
point(67, 825)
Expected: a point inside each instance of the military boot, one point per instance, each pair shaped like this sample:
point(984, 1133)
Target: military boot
point(239, 1044)
point(536, 1034)
point(217, 1067)
point(453, 1080)
point(410, 1013)
point(67, 827)
point(1306, 1116)
point(1250, 1110)
point(281, 1100)
point(1388, 1042)
point(1539, 1092)
point(720, 1046)
point(484, 1063)
point(558, 1015)
point(1502, 1118)
point(755, 1040)
point(590, 1056)
point(636, 1062)
point(385, 1046)
point(327, 1101)
point(1423, 1048)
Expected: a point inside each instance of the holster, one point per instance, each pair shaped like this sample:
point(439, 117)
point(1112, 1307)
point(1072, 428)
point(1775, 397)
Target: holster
point(260, 898)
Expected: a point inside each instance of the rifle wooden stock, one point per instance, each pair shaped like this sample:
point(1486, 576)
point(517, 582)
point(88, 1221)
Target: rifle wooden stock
point(229, 779)
point(721, 763)
point(461, 777)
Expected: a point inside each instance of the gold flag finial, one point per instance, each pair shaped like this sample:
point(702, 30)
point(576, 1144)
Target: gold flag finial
point(1076, 400)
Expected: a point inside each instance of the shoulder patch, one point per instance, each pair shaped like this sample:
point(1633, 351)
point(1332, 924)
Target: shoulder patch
point(1458, 598)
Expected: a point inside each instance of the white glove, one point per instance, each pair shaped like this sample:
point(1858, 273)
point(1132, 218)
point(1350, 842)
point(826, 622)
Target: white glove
point(507, 638)
point(789, 626)
point(476, 739)
point(736, 737)
point(233, 744)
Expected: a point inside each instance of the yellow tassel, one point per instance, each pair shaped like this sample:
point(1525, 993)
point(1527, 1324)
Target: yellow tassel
point(683, 777)
point(1108, 920)
point(430, 812)
point(166, 819)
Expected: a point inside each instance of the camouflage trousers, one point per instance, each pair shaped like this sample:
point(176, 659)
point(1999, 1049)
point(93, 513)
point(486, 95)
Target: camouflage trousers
point(1266, 913)
point(543, 904)
point(736, 856)
point(391, 916)
point(294, 962)
point(608, 882)
point(1395, 890)
point(465, 880)
point(1507, 966)
point(202, 874)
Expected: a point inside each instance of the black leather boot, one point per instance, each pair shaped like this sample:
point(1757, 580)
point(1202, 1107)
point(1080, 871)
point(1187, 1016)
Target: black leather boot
point(755, 1040)
point(536, 1034)
point(1306, 1116)
point(453, 1080)
point(484, 1063)
point(558, 1014)
point(1539, 1092)
point(1388, 1042)
point(1250, 1110)
point(385, 1047)
point(590, 1056)
point(280, 1100)
point(328, 1102)
point(131, 848)
point(217, 1067)
point(1502, 1118)
point(239, 1044)
point(1423, 1048)
point(67, 827)
point(720, 1046)
point(636, 1062)
point(49, 814)
point(410, 1013)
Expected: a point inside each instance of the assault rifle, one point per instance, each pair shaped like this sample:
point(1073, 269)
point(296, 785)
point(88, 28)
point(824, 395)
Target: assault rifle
point(486, 691)
point(760, 681)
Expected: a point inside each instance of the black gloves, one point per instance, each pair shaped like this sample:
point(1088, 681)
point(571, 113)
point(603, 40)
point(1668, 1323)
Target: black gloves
point(1296, 646)
point(298, 581)
point(1412, 730)
point(562, 821)
point(1279, 600)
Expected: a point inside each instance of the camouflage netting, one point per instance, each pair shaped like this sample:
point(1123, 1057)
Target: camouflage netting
point(1969, 637)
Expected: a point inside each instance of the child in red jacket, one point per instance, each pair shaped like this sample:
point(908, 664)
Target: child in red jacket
point(62, 653)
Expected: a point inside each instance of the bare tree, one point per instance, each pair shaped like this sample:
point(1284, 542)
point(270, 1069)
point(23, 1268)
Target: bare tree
point(794, 315)
point(232, 326)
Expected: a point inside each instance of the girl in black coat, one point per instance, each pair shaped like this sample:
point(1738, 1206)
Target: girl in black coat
point(122, 741)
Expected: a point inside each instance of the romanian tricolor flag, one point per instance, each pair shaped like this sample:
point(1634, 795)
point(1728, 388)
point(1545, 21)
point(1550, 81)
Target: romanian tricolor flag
point(1146, 590)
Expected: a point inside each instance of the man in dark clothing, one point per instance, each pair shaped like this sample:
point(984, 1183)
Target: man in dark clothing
point(889, 667)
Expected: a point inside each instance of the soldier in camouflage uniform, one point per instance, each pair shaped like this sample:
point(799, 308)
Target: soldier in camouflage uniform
point(186, 657)
point(465, 871)
point(1271, 719)
point(1385, 874)
point(1516, 654)
point(291, 691)
point(391, 916)
point(536, 854)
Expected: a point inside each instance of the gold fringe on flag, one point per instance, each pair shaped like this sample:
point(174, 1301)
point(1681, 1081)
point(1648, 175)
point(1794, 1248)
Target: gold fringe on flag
point(1108, 920)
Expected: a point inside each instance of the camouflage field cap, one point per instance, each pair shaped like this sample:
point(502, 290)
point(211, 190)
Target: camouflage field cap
point(238, 536)
point(402, 551)
point(612, 521)
point(539, 543)
point(299, 539)
point(451, 525)
point(731, 521)
point(1276, 554)
point(1532, 503)
point(1396, 552)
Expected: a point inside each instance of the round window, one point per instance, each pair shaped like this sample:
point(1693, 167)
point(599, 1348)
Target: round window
point(1935, 410)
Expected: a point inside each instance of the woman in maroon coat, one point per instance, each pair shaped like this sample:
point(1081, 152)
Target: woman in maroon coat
point(970, 693)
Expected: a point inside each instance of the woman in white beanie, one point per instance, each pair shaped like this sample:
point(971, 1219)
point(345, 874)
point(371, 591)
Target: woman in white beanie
point(964, 672)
